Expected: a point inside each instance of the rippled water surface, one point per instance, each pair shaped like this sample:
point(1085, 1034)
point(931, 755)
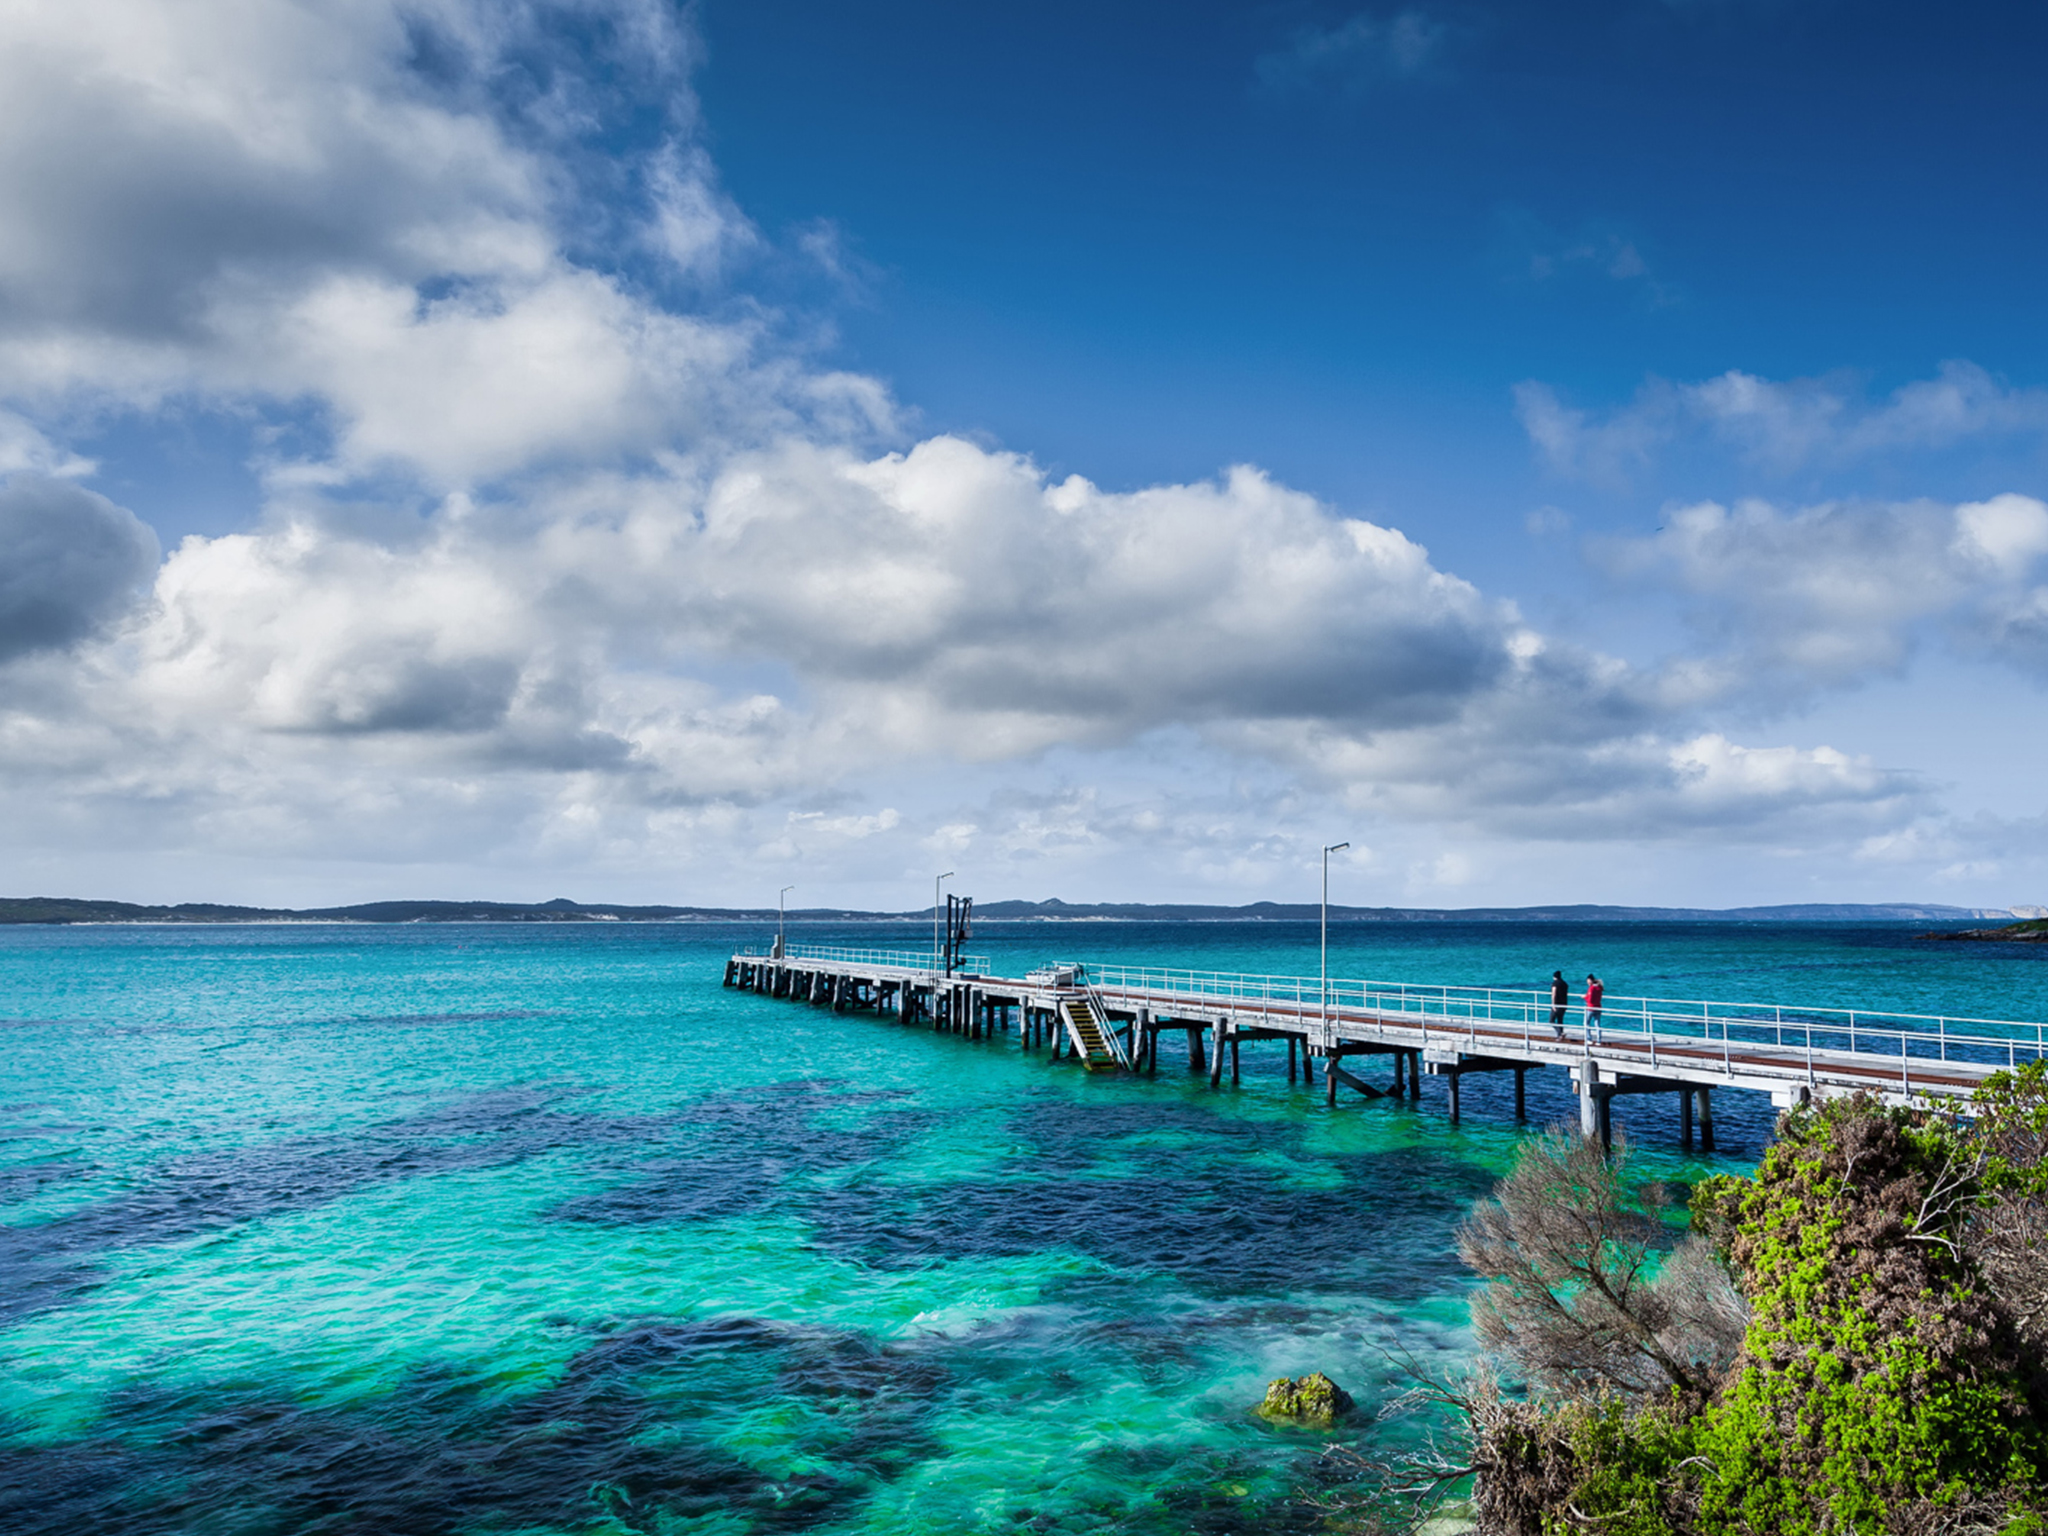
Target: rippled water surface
point(501, 1229)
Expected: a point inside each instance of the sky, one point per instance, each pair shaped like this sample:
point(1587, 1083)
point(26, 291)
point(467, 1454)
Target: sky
point(651, 452)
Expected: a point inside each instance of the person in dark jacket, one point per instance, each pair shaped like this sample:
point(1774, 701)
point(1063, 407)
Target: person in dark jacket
point(1560, 999)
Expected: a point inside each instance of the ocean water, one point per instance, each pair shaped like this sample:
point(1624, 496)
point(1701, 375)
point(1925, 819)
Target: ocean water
point(499, 1229)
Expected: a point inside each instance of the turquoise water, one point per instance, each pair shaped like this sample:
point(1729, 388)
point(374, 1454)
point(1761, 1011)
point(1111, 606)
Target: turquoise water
point(502, 1229)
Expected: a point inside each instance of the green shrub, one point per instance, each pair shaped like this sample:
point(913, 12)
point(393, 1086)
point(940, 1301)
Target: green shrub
point(1887, 1383)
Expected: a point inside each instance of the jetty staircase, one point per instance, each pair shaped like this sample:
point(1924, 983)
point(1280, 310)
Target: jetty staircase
point(1096, 1044)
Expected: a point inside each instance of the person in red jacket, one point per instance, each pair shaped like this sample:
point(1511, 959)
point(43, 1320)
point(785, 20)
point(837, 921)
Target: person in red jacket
point(1595, 992)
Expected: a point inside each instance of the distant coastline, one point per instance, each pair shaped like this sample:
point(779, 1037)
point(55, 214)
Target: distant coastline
point(68, 911)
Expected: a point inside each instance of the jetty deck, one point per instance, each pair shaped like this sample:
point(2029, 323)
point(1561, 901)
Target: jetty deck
point(1112, 1018)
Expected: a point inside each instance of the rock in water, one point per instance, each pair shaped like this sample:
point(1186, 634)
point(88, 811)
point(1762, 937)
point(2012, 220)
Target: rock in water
point(1314, 1400)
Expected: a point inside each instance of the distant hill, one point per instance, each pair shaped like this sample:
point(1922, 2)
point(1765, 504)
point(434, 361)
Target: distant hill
point(59, 910)
point(1268, 911)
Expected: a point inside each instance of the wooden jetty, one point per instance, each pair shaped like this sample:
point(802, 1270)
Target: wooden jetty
point(1111, 1018)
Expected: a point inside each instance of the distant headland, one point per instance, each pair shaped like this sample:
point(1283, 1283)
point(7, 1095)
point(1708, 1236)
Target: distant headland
point(63, 910)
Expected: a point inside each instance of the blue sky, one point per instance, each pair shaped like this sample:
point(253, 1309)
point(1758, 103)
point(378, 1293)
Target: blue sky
point(601, 447)
point(1136, 238)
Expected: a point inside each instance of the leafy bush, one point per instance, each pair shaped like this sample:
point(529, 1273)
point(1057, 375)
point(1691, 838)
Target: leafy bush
point(1889, 1382)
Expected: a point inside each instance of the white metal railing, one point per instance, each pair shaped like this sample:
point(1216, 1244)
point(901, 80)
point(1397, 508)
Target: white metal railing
point(1783, 1036)
point(1100, 1009)
point(1781, 1040)
point(889, 959)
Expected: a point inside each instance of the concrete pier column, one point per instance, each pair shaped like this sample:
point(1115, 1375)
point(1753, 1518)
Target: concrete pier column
point(1706, 1119)
point(1590, 1106)
point(1216, 1035)
point(1685, 1117)
point(1521, 1093)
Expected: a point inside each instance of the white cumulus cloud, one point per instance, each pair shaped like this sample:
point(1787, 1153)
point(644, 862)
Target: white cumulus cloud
point(570, 569)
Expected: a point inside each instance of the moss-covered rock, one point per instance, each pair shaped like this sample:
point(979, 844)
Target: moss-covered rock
point(1313, 1400)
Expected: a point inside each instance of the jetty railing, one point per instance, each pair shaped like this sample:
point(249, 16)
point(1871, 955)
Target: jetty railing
point(889, 959)
point(1756, 1028)
point(1907, 1053)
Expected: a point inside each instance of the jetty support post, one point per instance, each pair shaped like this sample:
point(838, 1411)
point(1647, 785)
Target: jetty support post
point(1596, 1114)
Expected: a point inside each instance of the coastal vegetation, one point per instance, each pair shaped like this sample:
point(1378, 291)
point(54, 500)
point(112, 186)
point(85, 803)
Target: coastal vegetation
point(2031, 930)
point(1854, 1339)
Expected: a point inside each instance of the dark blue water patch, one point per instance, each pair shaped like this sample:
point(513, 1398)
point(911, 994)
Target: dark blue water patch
point(747, 1152)
point(407, 1020)
point(52, 1263)
point(1206, 1505)
point(610, 1445)
point(441, 1456)
point(1200, 1212)
point(1054, 1133)
point(21, 1181)
point(1218, 1233)
point(881, 1399)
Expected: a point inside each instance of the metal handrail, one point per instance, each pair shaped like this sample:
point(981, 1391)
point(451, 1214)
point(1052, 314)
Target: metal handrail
point(1812, 1039)
point(1101, 1010)
point(1860, 1032)
point(895, 959)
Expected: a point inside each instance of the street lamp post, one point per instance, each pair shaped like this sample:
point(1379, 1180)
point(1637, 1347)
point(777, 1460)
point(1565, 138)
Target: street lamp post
point(1327, 851)
point(938, 948)
point(781, 918)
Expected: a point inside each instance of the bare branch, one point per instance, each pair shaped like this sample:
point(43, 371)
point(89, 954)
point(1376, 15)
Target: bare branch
point(1578, 1299)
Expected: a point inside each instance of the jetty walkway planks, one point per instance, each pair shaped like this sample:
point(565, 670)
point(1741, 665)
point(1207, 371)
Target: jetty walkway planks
point(1112, 1017)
